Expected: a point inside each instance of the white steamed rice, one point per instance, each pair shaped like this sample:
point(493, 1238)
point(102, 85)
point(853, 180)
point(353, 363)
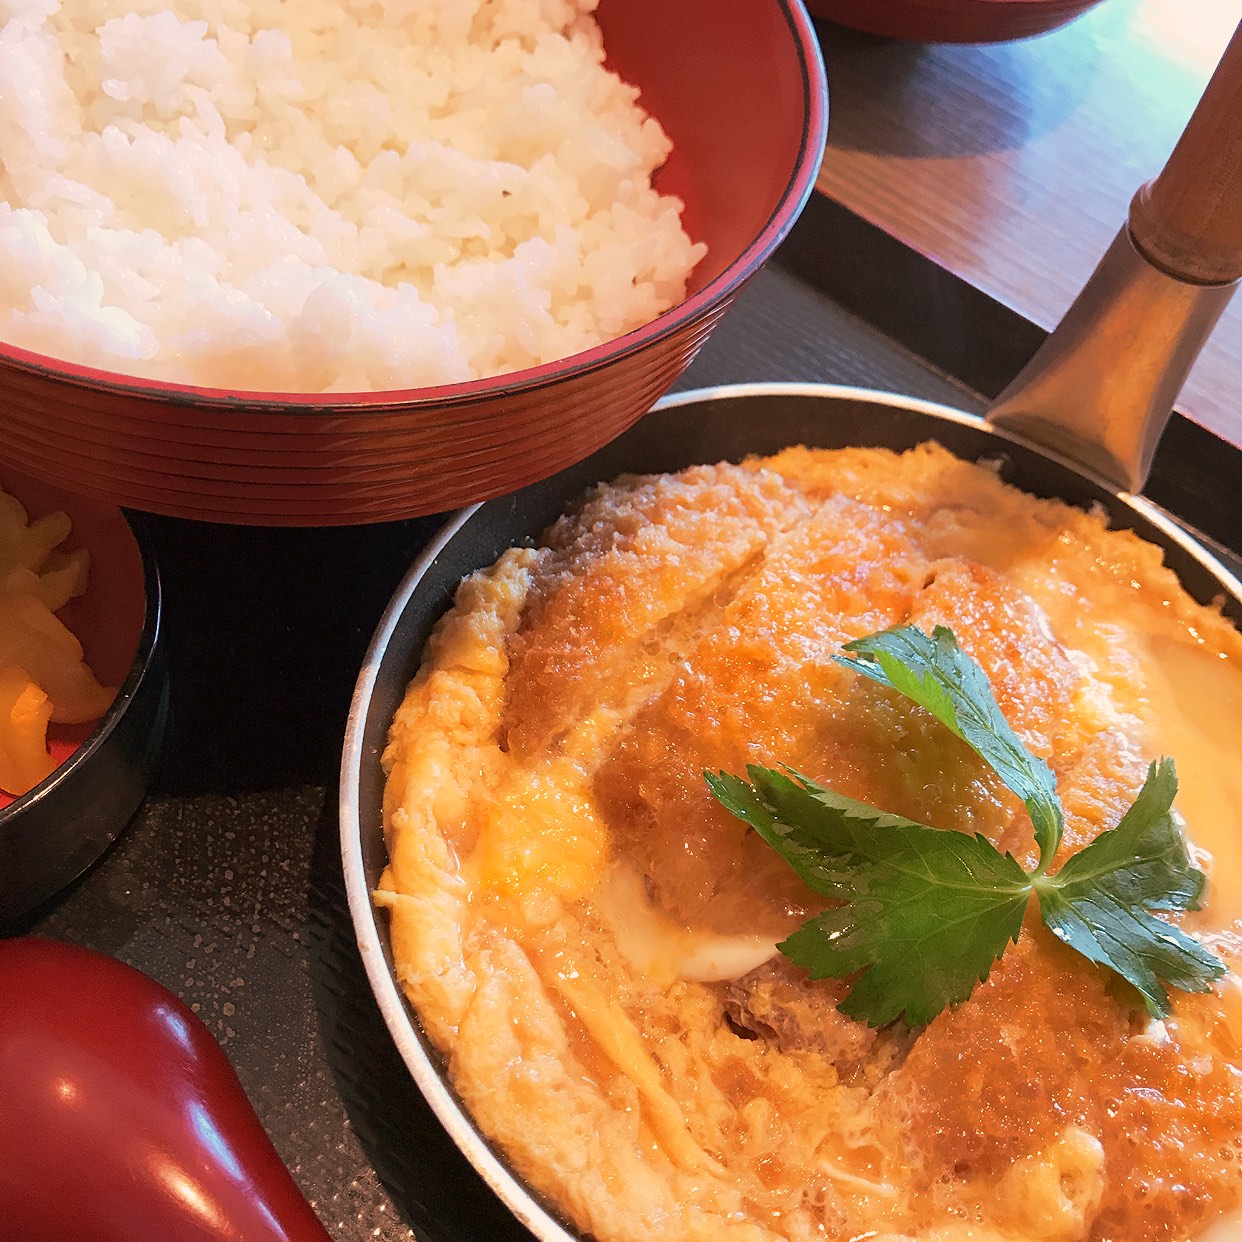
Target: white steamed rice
point(324, 194)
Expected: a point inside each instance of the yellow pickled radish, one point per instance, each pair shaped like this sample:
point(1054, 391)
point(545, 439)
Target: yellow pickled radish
point(24, 714)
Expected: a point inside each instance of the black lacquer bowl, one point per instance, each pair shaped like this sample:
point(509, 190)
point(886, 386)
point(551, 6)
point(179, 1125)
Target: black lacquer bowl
point(55, 832)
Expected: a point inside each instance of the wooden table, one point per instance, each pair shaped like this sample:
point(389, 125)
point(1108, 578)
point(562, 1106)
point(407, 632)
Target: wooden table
point(1012, 165)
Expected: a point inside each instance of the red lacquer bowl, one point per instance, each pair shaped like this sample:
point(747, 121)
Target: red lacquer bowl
point(739, 87)
point(52, 834)
point(951, 21)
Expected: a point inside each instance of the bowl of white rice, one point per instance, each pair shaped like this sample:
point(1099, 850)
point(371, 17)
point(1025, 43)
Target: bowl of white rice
point(356, 260)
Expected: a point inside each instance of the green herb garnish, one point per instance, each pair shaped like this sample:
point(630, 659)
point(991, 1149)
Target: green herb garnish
point(924, 912)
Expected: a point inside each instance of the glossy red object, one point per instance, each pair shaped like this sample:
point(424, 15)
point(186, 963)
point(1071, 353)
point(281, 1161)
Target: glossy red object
point(951, 21)
point(121, 1119)
point(739, 87)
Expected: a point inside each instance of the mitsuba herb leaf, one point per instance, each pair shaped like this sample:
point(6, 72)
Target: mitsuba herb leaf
point(923, 913)
point(1098, 902)
point(920, 914)
point(937, 674)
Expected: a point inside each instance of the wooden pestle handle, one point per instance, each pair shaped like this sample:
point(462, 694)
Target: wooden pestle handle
point(1188, 221)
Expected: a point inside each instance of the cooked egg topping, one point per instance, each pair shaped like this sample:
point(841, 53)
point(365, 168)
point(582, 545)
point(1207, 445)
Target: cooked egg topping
point(1193, 710)
point(593, 941)
point(540, 834)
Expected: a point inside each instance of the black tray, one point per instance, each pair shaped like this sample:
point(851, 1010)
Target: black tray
point(227, 886)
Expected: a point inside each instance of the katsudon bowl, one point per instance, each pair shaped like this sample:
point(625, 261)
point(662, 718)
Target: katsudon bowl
point(738, 88)
point(691, 429)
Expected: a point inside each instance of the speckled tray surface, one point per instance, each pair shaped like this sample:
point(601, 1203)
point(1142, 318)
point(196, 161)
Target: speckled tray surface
point(227, 885)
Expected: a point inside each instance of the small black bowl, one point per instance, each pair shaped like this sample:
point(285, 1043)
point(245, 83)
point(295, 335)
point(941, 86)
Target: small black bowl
point(52, 834)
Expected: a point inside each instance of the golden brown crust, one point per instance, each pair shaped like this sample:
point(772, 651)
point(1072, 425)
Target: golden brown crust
point(588, 937)
point(617, 575)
